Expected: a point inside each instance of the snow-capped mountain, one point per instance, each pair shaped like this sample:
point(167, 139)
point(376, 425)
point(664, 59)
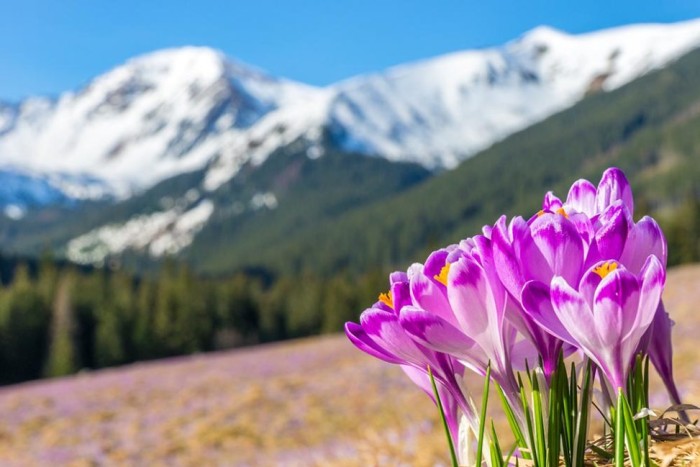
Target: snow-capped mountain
point(154, 117)
point(185, 109)
point(439, 111)
point(193, 109)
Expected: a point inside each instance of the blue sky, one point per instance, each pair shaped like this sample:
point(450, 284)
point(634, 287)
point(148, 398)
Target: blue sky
point(48, 46)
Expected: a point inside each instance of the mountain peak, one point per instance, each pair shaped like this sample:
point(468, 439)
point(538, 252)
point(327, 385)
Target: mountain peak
point(193, 108)
point(544, 33)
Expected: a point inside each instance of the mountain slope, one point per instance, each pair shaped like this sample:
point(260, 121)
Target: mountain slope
point(185, 152)
point(189, 109)
point(154, 117)
point(649, 128)
point(442, 110)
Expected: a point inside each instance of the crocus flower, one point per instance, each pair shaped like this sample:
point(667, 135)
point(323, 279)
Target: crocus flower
point(606, 317)
point(604, 216)
point(461, 310)
point(381, 335)
point(586, 198)
point(550, 245)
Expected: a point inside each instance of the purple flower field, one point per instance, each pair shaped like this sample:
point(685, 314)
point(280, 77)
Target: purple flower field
point(310, 402)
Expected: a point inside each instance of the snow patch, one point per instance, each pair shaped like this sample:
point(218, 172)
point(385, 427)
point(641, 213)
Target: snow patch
point(266, 200)
point(14, 212)
point(160, 233)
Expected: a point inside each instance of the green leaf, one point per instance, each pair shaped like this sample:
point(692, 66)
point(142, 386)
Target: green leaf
point(645, 420)
point(528, 423)
point(583, 414)
point(625, 412)
point(521, 442)
point(482, 417)
point(568, 412)
point(444, 420)
point(496, 452)
point(601, 452)
point(555, 417)
point(619, 433)
point(538, 421)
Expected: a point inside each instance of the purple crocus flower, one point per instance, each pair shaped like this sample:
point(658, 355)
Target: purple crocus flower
point(460, 307)
point(547, 246)
point(586, 198)
point(604, 216)
point(381, 335)
point(606, 317)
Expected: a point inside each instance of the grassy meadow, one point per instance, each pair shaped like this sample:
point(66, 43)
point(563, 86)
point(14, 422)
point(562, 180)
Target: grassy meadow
point(315, 401)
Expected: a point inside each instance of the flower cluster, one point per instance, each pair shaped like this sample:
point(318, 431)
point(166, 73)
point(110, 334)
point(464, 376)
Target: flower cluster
point(578, 277)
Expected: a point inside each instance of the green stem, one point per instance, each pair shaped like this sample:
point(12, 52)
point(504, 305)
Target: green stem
point(453, 456)
point(482, 417)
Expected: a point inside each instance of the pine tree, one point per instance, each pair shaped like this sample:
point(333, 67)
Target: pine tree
point(62, 358)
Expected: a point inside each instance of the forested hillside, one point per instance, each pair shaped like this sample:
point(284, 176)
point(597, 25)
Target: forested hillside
point(650, 128)
point(308, 268)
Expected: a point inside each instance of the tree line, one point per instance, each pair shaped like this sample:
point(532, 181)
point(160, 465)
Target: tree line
point(57, 319)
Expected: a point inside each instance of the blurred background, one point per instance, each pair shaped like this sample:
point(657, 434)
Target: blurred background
point(190, 194)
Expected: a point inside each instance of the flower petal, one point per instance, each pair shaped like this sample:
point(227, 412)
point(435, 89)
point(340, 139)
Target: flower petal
point(644, 239)
point(589, 283)
point(611, 236)
point(435, 262)
point(384, 329)
point(430, 297)
point(582, 196)
point(537, 303)
point(357, 335)
point(614, 186)
point(471, 298)
point(653, 280)
point(574, 314)
point(437, 334)
point(554, 247)
point(615, 304)
point(661, 351)
point(398, 276)
point(551, 202)
point(401, 295)
point(505, 260)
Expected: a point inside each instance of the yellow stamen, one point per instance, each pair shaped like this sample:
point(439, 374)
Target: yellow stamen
point(562, 212)
point(387, 299)
point(442, 277)
point(605, 269)
point(541, 213)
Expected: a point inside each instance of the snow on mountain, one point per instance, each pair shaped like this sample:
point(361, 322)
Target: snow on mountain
point(440, 111)
point(157, 234)
point(180, 110)
point(185, 109)
point(156, 116)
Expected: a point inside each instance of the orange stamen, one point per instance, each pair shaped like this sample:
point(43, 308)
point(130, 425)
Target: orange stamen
point(605, 269)
point(387, 299)
point(562, 212)
point(442, 277)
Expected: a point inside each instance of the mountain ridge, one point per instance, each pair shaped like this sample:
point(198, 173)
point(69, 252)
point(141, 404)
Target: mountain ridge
point(192, 108)
point(246, 160)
